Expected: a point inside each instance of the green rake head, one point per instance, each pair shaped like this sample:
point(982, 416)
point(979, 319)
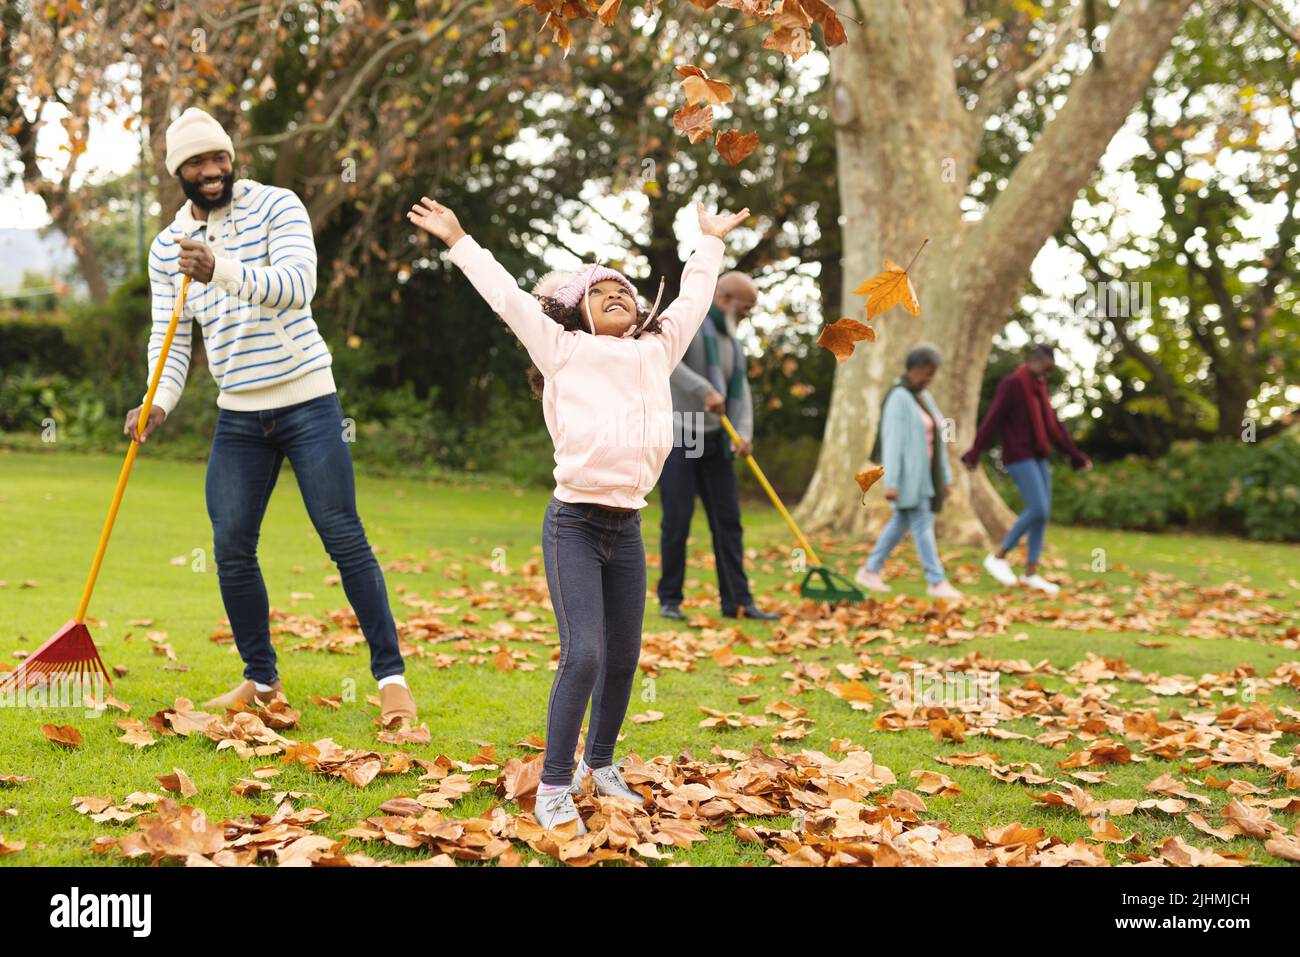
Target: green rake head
point(830, 586)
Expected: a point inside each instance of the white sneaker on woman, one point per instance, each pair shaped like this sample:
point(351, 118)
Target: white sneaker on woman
point(871, 581)
point(943, 590)
point(556, 807)
point(1040, 583)
point(1000, 569)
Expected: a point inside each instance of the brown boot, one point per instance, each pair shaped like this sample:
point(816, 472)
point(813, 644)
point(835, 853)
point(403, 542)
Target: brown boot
point(396, 706)
point(246, 695)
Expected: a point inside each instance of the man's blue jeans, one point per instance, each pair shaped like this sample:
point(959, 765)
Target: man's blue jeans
point(921, 522)
point(1033, 477)
point(247, 452)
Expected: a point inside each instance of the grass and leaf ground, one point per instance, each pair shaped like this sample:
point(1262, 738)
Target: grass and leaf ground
point(1191, 649)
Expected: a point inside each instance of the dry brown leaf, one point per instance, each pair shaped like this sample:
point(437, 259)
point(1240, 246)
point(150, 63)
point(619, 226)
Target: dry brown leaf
point(64, 734)
point(842, 335)
point(867, 478)
point(891, 287)
point(178, 782)
point(699, 88)
point(8, 846)
point(734, 146)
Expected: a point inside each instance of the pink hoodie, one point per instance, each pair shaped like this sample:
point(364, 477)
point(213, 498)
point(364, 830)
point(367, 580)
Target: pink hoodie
point(606, 400)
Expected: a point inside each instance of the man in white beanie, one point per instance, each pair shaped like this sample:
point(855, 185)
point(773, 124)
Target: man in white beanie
point(250, 253)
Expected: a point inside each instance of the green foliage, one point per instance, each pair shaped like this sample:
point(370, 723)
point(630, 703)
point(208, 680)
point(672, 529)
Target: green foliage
point(1216, 340)
point(115, 332)
point(28, 403)
point(1241, 488)
point(38, 340)
point(788, 465)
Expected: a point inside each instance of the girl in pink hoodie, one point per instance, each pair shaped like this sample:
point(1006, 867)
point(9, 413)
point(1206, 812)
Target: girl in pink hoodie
point(604, 365)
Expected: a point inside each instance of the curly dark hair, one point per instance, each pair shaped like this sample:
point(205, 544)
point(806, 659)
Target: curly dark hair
point(570, 317)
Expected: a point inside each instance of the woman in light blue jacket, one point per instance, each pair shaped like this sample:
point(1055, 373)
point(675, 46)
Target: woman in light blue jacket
point(909, 444)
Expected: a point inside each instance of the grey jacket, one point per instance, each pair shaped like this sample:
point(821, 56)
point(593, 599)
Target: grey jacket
point(690, 384)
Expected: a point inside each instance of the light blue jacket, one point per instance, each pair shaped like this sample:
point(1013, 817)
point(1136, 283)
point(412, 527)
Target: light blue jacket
point(903, 452)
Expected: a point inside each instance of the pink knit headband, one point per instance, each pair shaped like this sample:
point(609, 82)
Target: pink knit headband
point(575, 287)
point(568, 289)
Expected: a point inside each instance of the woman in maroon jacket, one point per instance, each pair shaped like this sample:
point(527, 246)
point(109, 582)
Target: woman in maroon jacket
point(1022, 413)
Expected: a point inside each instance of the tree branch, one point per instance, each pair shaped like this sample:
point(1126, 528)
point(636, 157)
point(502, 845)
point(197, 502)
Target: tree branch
point(998, 251)
point(1009, 82)
point(362, 77)
point(1161, 376)
point(1275, 18)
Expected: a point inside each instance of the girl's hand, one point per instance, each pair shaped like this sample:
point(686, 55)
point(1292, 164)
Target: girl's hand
point(436, 219)
point(719, 224)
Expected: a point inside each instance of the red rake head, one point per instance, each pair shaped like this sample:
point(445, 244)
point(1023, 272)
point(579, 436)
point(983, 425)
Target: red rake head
point(70, 651)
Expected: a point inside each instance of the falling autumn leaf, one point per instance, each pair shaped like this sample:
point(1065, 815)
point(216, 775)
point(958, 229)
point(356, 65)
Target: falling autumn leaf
point(867, 478)
point(735, 146)
point(842, 335)
point(891, 287)
point(608, 11)
point(699, 88)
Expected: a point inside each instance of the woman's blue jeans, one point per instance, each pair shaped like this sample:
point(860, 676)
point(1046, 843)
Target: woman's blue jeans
point(1033, 477)
point(247, 452)
point(921, 522)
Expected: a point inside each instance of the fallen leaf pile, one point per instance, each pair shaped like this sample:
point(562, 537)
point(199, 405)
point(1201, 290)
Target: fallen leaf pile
point(1223, 743)
point(181, 833)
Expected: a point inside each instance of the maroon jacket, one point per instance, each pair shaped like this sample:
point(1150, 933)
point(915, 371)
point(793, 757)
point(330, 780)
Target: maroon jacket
point(1009, 415)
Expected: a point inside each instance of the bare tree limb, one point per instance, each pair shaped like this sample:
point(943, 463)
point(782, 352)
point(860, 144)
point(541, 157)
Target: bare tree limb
point(999, 250)
point(1275, 18)
point(1009, 82)
point(362, 76)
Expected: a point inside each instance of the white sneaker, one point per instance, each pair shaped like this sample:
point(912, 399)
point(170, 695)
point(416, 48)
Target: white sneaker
point(943, 590)
point(1040, 583)
point(871, 581)
point(554, 808)
point(608, 780)
point(1000, 569)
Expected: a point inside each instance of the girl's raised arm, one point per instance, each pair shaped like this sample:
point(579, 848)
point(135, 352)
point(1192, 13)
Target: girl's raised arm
point(684, 316)
point(549, 345)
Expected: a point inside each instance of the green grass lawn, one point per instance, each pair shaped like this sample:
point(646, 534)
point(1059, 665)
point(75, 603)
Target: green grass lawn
point(52, 507)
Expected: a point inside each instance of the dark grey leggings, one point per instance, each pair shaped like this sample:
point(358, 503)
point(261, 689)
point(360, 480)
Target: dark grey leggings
point(595, 568)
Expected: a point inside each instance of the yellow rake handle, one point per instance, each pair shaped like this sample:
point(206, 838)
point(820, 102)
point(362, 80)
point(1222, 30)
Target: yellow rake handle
point(771, 493)
point(145, 408)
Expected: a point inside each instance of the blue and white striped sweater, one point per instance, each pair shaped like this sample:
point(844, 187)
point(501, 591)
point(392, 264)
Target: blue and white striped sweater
point(263, 347)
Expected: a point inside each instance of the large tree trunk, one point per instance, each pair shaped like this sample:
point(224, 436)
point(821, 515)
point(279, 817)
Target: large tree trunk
point(89, 263)
point(906, 144)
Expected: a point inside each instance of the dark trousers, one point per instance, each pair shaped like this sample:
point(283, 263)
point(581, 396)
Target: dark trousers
point(595, 570)
point(247, 452)
point(711, 475)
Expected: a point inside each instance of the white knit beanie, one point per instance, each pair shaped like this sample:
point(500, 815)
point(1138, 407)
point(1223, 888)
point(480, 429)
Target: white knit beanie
point(192, 133)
